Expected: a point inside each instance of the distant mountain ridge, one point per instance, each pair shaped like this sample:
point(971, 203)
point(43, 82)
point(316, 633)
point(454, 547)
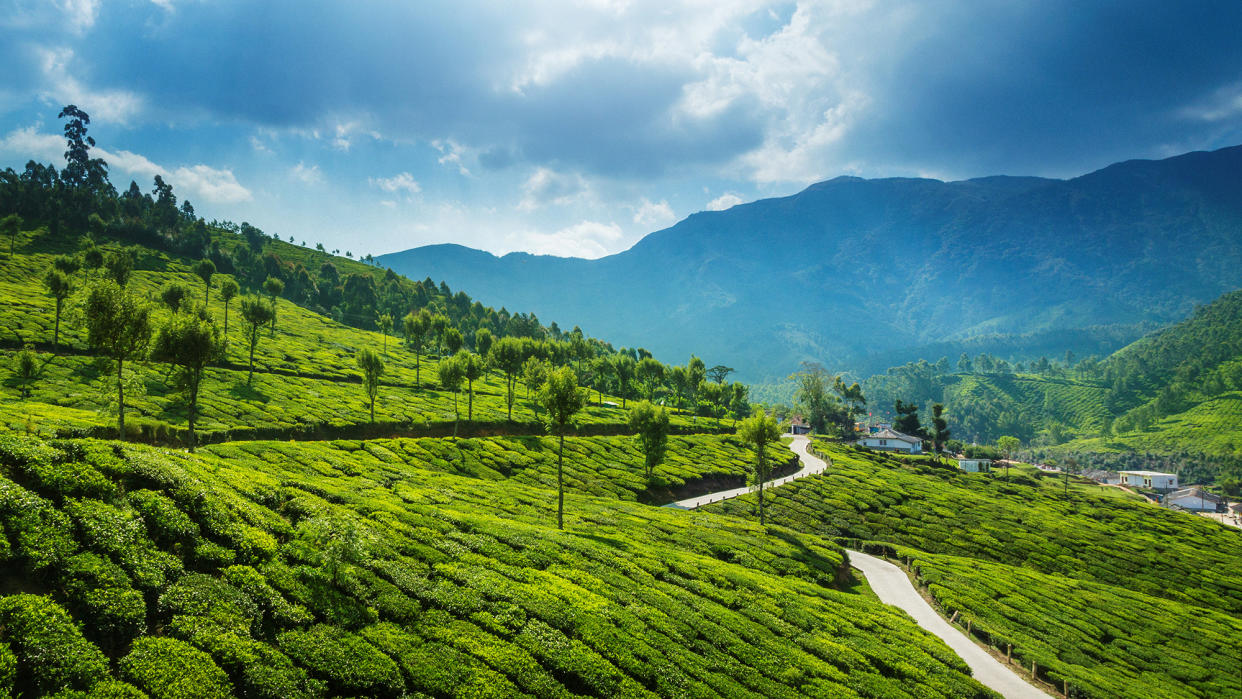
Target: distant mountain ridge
point(862, 274)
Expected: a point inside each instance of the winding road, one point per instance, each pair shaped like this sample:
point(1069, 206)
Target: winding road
point(893, 587)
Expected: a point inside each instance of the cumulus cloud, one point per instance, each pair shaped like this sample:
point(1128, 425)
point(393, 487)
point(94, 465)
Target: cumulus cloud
point(588, 239)
point(546, 186)
point(724, 201)
point(79, 15)
point(401, 182)
point(60, 86)
point(654, 214)
point(306, 174)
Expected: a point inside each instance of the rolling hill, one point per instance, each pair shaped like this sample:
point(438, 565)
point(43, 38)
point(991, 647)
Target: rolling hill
point(865, 274)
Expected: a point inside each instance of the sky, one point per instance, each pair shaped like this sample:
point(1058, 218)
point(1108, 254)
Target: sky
point(575, 129)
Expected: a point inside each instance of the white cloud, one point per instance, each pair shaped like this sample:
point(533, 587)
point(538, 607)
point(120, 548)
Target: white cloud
point(402, 182)
point(80, 15)
point(306, 175)
point(1224, 103)
point(61, 87)
point(546, 186)
point(589, 239)
point(724, 201)
point(258, 145)
point(215, 186)
point(28, 142)
point(451, 154)
point(654, 214)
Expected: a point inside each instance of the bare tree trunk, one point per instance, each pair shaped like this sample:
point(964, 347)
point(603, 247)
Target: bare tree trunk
point(560, 483)
point(120, 399)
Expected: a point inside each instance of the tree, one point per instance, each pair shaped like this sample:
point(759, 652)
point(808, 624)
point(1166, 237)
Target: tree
point(760, 430)
point(623, 368)
point(696, 371)
point(172, 295)
point(534, 374)
point(11, 225)
point(739, 402)
point(205, 269)
point(59, 288)
point(118, 325)
point(416, 328)
point(678, 378)
point(452, 340)
point(384, 322)
point(813, 397)
point(940, 427)
point(372, 369)
point(506, 354)
point(471, 370)
point(651, 426)
point(1008, 445)
point(439, 323)
point(274, 288)
point(119, 266)
point(719, 373)
point(561, 399)
point(483, 340)
point(188, 341)
point(256, 314)
point(907, 421)
point(67, 265)
point(650, 372)
point(451, 374)
point(228, 291)
point(26, 370)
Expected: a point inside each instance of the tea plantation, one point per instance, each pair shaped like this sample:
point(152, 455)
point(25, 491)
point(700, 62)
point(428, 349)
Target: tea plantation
point(1083, 585)
point(132, 570)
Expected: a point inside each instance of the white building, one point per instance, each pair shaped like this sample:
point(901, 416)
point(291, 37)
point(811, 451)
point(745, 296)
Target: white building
point(1195, 499)
point(1149, 479)
point(975, 465)
point(892, 440)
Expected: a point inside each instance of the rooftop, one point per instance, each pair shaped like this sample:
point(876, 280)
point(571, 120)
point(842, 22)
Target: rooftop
point(889, 433)
point(1149, 473)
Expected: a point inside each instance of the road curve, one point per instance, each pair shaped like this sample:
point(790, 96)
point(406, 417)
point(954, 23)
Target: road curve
point(893, 587)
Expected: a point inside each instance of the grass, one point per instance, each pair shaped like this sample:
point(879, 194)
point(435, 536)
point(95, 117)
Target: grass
point(381, 579)
point(1058, 577)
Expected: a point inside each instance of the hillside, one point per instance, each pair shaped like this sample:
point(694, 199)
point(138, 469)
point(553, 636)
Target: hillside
point(1093, 588)
point(865, 274)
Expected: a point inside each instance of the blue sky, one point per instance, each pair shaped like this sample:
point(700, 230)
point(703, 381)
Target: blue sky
point(575, 129)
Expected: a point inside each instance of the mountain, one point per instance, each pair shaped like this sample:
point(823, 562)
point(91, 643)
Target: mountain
point(863, 274)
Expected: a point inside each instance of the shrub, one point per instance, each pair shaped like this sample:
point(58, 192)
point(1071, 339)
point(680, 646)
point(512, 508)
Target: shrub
point(349, 664)
point(257, 670)
point(107, 689)
point(122, 535)
point(203, 598)
point(41, 534)
point(52, 655)
point(276, 608)
point(8, 670)
point(165, 523)
point(167, 668)
point(100, 591)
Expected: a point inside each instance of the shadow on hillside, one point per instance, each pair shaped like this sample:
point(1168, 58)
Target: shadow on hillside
point(241, 391)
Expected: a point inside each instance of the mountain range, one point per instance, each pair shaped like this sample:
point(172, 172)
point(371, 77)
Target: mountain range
point(862, 274)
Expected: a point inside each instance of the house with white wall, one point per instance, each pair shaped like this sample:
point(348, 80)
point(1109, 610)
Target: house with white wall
point(975, 465)
point(1149, 479)
point(892, 440)
point(1194, 499)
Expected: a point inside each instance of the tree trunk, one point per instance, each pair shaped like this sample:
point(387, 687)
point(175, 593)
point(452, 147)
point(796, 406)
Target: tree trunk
point(120, 400)
point(195, 378)
point(560, 483)
point(417, 370)
point(509, 381)
point(206, 293)
point(226, 330)
point(470, 408)
point(254, 336)
point(56, 332)
point(762, 477)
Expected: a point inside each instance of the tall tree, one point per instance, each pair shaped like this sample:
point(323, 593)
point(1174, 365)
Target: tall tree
point(384, 323)
point(188, 341)
point(118, 325)
point(696, 371)
point(650, 424)
point(11, 225)
point(439, 323)
point(561, 399)
point(650, 373)
point(1008, 445)
point(678, 379)
point(760, 430)
point(372, 369)
point(483, 341)
point(451, 374)
point(228, 291)
point(907, 421)
point(256, 314)
point(623, 368)
point(940, 427)
point(534, 374)
point(274, 288)
point(416, 327)
point(452, 340)
point(25, 370)
point(506, 354)
point(173, 295)
point(719, 373)
point(205, 269)
point(471, 371)
point(119, 265)
point(59, 288)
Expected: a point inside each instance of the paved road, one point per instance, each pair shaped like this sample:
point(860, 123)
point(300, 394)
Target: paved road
point(894, 588)
point(810, 464)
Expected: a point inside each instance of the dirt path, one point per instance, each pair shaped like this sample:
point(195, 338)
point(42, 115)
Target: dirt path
point(893, 587)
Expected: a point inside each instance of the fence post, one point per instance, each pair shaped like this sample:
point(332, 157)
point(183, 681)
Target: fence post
point(1009, 654)
point(1034, 671)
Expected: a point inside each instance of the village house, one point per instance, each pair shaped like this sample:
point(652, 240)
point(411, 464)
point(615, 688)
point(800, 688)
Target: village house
point(891, 440)
point(975, 465)
point(1155, 480)
point(797, 425)
point(1194, 499)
